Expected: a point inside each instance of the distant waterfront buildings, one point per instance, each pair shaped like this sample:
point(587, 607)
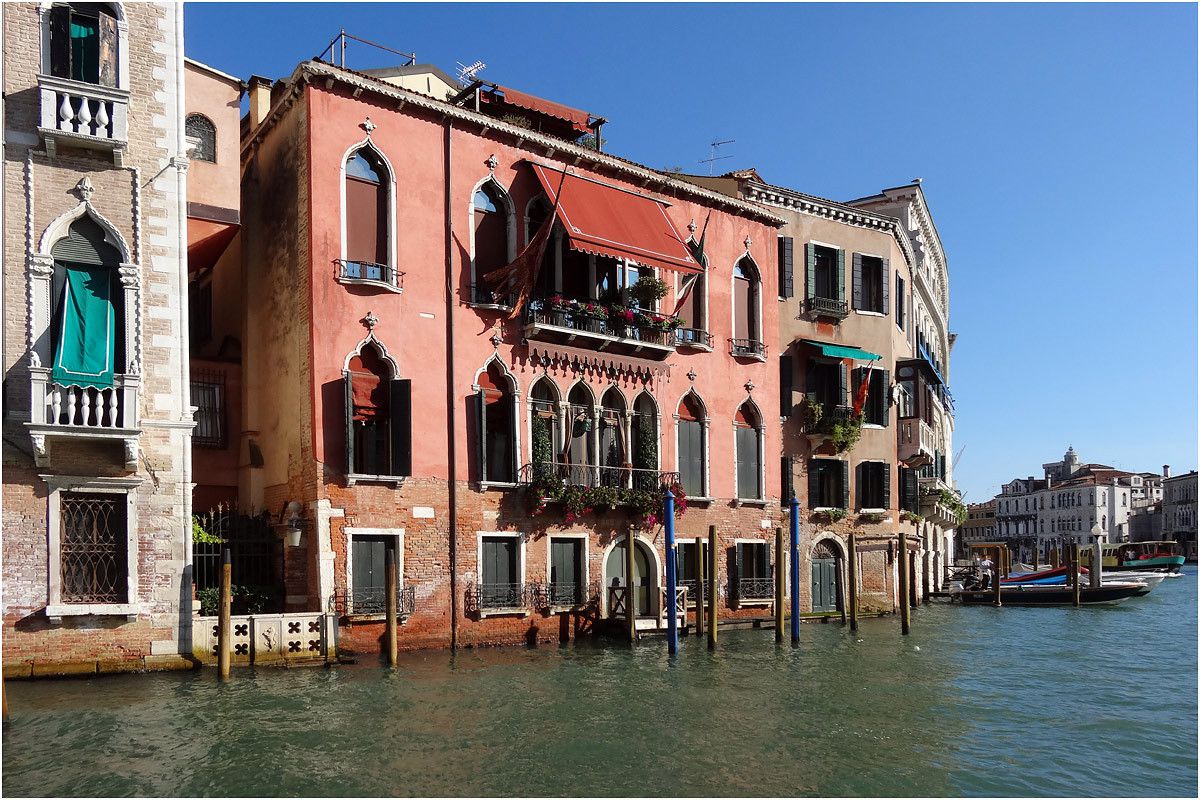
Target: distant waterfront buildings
point(1179, 511)
point(979, 527)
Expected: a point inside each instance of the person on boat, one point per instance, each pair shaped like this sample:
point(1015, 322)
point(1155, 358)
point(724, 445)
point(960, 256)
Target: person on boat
point(985, 570)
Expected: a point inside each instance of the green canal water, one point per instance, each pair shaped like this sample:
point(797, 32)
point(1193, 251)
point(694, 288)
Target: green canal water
point(977, 701)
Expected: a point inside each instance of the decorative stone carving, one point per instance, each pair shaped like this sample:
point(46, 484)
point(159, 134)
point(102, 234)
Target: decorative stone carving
point(40, 457)
point(367, 125)
point(370, 320)
point(492, 162)
point(84, 189)
point(131, 452)
point(749, 386)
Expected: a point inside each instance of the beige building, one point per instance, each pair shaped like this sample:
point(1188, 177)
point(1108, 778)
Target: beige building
point(850, 310)
point(97, 433)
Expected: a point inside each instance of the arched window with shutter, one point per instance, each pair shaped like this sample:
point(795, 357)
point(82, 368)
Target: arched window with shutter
point(378, 416)
point(367, 219)
point(692, 445)
point(491, 247)
point(581, 439)
point(83, 43)
point(644, 442)
point(747, 323)
point(748, 430)
point(496, 406)
point(87, 313)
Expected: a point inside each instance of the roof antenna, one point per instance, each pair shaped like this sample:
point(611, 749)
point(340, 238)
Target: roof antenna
point(467, 72)
point(712, 153)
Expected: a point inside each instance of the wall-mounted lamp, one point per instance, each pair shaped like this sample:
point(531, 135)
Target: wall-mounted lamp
point(295, 524)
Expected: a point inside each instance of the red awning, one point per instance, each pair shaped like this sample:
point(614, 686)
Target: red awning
point(207, 240)
point(611, 221)
point(577, 118)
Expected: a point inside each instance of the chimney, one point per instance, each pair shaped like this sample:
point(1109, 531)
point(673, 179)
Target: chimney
point(260, 99)
point(1166, 470)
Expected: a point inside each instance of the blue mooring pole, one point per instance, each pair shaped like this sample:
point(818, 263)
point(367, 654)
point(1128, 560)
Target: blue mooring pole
point(672, 618)
point(795, 557)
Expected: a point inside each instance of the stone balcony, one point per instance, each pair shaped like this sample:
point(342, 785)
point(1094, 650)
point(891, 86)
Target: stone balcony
point(83, 115)
point(915, 443)
point(76, 412)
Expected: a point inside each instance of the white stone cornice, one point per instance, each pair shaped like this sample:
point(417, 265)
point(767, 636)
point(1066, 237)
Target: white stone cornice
point(310, 70)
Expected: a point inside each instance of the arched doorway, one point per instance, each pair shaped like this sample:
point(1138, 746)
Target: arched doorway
point(645, 581)
point(825, 594)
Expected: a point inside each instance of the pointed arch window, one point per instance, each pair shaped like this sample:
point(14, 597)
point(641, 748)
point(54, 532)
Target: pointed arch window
point(545, 430)
point(614, 449)
point(747, 322)
point(490, 226)
point(644, 435)
point(537, 216)
point(581, 462)
point(378, 416)
point(367, 219)
point(748, 435)
point(692, 431)
point(87, 313)
point(496, 407)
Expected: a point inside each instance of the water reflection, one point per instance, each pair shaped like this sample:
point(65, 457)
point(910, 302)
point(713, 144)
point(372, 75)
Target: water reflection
point(977, 701)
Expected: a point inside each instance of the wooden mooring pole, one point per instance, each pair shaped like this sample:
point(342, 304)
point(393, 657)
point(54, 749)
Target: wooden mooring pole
point(391, 605)
point(712, 587)
point(224, 626)
point(794, 552)
point(902, 578)
point(630, 592)
point(779, 584)
point(1036, 554)
point(1054, 561)
point(1075, 599)
point(852, 580)
point(698, 561)
point(998, 569)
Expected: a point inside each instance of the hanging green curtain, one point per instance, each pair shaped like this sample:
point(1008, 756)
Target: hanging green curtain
point(85, 48)
point(83, 355)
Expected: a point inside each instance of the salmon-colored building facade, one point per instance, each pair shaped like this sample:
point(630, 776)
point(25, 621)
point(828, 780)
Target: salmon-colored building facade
point(395, 401)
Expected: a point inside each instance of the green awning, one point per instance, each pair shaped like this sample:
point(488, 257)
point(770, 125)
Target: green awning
point(841, 351)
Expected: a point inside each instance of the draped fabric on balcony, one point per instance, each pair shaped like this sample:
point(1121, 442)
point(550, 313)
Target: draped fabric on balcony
point(84, 355)
point(613, 221)
point(368, 391)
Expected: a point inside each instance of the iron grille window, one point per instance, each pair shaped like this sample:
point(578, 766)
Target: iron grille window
point(93, 541)
point(202, 129)
point(208, 395)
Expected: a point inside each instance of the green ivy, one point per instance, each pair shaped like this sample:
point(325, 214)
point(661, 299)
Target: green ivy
point(201, 536)
point(845, 433)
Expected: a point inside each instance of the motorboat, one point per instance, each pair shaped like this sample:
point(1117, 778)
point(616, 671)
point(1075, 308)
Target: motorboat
point(1053, 595)
point(1060, 576)
point(1159, 556)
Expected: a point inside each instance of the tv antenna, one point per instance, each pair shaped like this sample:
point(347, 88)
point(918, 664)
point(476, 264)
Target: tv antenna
point(712, 153)
point(467, 72)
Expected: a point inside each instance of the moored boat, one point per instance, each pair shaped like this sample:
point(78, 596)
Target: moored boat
point(1137, 556)
point(1049, 595)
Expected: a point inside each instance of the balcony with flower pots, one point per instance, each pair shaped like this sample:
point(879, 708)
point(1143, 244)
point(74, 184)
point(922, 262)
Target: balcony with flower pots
point(612, 327)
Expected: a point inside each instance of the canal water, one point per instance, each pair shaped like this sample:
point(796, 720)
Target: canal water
point(977, 702)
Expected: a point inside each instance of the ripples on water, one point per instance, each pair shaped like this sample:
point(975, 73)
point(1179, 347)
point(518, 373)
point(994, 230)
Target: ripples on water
point(1096, 701)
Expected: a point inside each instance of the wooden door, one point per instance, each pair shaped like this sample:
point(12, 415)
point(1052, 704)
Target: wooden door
point(824, 584)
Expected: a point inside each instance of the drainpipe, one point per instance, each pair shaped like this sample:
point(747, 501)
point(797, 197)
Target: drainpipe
point(451, 428)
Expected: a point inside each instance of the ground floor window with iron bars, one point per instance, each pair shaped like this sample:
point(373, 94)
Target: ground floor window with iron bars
point(753, 572)
point(685, 568)
point(93, 548)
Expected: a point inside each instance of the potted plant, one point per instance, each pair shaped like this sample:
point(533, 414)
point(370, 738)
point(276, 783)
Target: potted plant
point(829, 515)
point(557, 307)
point(844, 433)
point(648, 291)
point(871, 518)
point(908, 516)
point(810, 412)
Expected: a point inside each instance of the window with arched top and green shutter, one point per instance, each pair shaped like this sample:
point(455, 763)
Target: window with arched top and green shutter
point(87, 309)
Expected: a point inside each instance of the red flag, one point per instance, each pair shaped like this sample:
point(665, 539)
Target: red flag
point(860, 400)
point(519, 277)
point(689, 282)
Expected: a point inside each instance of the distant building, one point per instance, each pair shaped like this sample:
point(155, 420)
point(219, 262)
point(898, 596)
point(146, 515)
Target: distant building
point(1145, 521)
point(1179, 511)
point(979, 527)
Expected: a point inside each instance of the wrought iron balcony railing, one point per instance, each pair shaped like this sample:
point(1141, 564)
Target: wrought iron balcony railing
point(578, 322)
point(482, 295)
point(755, 588)
point(828, 307)
point(622, 477)
point(747, 348)
point(503, 597)
point(693, 337)
point(372, 601)
point(369, 272)
point(561, 594)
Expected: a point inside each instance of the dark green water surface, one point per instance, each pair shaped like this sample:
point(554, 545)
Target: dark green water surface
point(977, 701)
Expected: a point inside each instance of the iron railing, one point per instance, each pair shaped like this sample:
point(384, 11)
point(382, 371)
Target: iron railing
point(828, 307)
point(93, 563)
point(747, 348)
point(755, 588)
point(538, 312)
point(369, 271)
point(696, 337)
point(503, 596)
point(622, 477)
point(567, 593)
point(373, 600)
point(254, 551)
point(482, 295)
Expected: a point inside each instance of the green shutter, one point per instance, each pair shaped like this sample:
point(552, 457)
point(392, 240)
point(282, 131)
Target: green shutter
point(887, 399)
point(885, 282)
point(400, 425)
point(860, 485)
point(814, 484)
point(843, 376)
point(841, 275)
point(786, 288)
point(481, 432)
point(785, 386)
point(846, 484)
point(887, 485)
point(810, 270)
point(856, 278)
point(349, 422)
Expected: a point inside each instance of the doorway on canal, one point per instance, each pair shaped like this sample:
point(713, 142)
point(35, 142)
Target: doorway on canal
point(645, 578)
point(826, 573)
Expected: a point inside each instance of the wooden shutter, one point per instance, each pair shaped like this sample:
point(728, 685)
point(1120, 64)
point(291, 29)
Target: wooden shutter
point(366, 227)
point(900, 301)
point(786, 484)
point(810, 381)
point(349, 416)
point(909, 477)
point(887, 485)
point(810, 270)
point(841, 275)
point(400, 425)
point(887, 399)
point(814, 483)
point(60, 41)
point(764, 560)
point(747, 463)
point(884, 280)
point(845, 484)
point(738, 557)
point(860, 481)
point(108, 50)
point(481, 431)
point(843, 375)
point(742, 299)
point(786, 288)
point(785, 386)
point(856, 278)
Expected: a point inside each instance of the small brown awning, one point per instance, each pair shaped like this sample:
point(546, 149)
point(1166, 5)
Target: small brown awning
point(207, 240)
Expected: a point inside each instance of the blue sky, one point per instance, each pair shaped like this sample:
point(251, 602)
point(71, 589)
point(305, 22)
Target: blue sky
point(1057, 144)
